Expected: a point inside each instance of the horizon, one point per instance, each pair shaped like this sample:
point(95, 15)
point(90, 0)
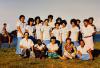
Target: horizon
point(67, 9)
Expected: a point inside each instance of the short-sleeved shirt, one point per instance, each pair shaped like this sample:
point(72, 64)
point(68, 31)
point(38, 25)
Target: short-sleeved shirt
point(38, 31)
point(64, 33)
point(27, 43)
point(39, 47)
point(30, 29)
point(82, 50)
point(56, 33)
point(46, 32)
point(87, 31)
point(51, 24)
point(74, 33)
point(22, 27)
point(52, 47)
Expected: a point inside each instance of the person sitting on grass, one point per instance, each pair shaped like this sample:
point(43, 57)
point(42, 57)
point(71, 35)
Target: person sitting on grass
point(53, 48)
point(69, 50)
point(26, 46)
point(83, 53)
point(39, 49)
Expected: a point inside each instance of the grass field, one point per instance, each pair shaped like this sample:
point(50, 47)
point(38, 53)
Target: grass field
point(8, 59)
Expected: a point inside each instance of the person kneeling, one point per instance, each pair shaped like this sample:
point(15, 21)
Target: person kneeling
point(53, 48)
point(83, 53)
point(39, 49)
point(26, 46)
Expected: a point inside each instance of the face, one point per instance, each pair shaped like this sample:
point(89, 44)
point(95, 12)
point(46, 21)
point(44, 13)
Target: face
point(73, 24)
point(22, 19)
point(82, 44)
point(57, 26)
point(78, 22)
point(68, 41)
point(26, 35)
point(46, 22)
point(37, 21)
point(91, 21)
point(53, 41)
point(63, 25)
point(50, 19)
point(85, 24)
point(31, 23)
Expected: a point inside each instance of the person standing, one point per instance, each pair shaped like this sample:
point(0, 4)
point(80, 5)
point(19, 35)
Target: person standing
point(21, 25)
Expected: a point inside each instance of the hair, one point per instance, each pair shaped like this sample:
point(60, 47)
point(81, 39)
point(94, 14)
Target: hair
point(86, 20)
point(68, 39)
point(30, 20)
point(57, 23)
point(78, 20)
point(26, 32)
point(58, 19)
point(53, 37)
point(4, 24)
point(37, 17)
point(46, 20)
point(50, 16)
point(21, 16)
point(91, 18)
point(64, 22)
point(39, 42)
point(73, 21)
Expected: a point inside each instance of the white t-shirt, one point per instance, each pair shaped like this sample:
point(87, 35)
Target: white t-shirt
point(22, 27)
point(51, 24)
point(87, 31)
point(64, 33)
point(82, 50)
point(52, 47)
point(27, 43)
point(46, 32)
point(38, 31)
point(74, 33)
point(30, 29)
point(39, 47)
point(56, 33)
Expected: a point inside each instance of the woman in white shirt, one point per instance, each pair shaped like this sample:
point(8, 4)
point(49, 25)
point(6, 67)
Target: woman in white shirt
point(53, 48)
point(26, 46)
point(38, 27)
point(74, 32)
point(88, 31)
point(83, 53)
point(21, 25)
point(46, 32)
point(51, 23)
point(64, 34)
point(31, 29)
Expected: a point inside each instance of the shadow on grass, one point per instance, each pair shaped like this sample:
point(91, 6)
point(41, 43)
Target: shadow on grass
point(96, 52)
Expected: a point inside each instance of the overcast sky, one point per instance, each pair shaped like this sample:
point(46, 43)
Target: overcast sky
point(67, 9)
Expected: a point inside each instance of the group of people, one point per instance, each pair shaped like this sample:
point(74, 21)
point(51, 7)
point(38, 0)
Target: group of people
point(46, 38)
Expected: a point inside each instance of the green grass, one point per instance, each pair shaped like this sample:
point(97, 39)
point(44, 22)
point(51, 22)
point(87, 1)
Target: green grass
point(8, 59)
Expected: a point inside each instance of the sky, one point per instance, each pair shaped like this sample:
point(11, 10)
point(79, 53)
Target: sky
point(10, 10)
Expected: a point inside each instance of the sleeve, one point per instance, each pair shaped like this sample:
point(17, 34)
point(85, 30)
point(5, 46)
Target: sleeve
point(21, 42)
point(31, 43)
point(56, 47)
point(92, 29)
point(26, 27)
point(18, 24)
